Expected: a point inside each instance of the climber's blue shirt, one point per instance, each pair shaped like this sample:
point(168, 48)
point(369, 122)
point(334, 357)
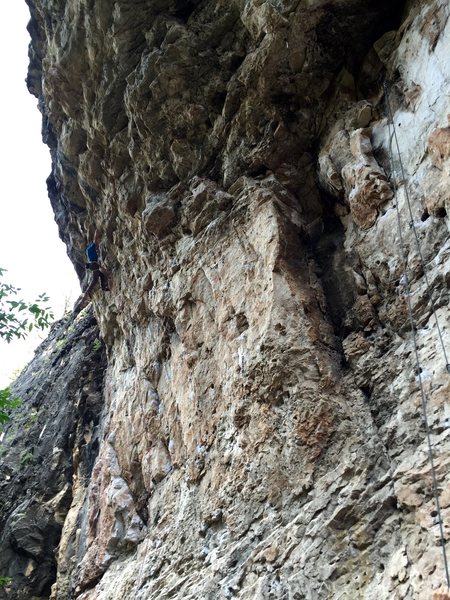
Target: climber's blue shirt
point(91, 252)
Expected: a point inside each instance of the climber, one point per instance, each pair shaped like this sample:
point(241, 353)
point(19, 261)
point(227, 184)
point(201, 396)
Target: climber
point(98, 271)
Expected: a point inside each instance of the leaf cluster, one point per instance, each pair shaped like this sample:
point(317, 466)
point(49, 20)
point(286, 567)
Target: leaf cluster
point(25, 457)
point(18, 317)
point(7, 403)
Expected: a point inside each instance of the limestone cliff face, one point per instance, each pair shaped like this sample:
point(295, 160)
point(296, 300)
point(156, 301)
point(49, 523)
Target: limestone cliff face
point(261, 434)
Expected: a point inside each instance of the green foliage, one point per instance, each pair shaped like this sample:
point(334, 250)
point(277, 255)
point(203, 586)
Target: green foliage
point(31, 419)
point(60, 344)
point(4, 581)
point(7, 403)
point(17, 317)
point(96, 345)
point(25, 457)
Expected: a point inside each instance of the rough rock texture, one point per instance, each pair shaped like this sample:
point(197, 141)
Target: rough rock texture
point(47, 453)
point(262, 433)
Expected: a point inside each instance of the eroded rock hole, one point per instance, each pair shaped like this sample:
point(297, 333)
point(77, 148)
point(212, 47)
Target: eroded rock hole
point(367, 391)
point(236, 62)
point(219, 99)
point(185, 9)
point(338, 286)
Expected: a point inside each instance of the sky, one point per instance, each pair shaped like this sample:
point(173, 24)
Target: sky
point(30, 248)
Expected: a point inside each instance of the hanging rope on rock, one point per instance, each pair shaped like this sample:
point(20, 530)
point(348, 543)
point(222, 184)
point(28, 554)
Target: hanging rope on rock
point(411, 223)
point(393, 136)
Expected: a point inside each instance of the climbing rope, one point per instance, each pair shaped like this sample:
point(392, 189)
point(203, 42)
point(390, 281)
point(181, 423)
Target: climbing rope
point(412, 225)
point(393, 135)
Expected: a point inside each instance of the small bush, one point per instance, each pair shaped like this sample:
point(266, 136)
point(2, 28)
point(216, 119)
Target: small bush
point(25, 457)
point(97, 344)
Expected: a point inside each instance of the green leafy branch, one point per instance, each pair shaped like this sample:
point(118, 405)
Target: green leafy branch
point(17, 317)
point(7, 404)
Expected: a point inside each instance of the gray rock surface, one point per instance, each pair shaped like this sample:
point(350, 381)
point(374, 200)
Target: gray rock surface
point(51, 441)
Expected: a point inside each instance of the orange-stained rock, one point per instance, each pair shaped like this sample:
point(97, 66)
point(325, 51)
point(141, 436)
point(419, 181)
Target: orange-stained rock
point(439, 145)
point(444, 594)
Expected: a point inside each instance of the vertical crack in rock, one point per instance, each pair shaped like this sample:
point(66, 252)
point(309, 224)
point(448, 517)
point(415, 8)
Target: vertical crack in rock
point(260, 434)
